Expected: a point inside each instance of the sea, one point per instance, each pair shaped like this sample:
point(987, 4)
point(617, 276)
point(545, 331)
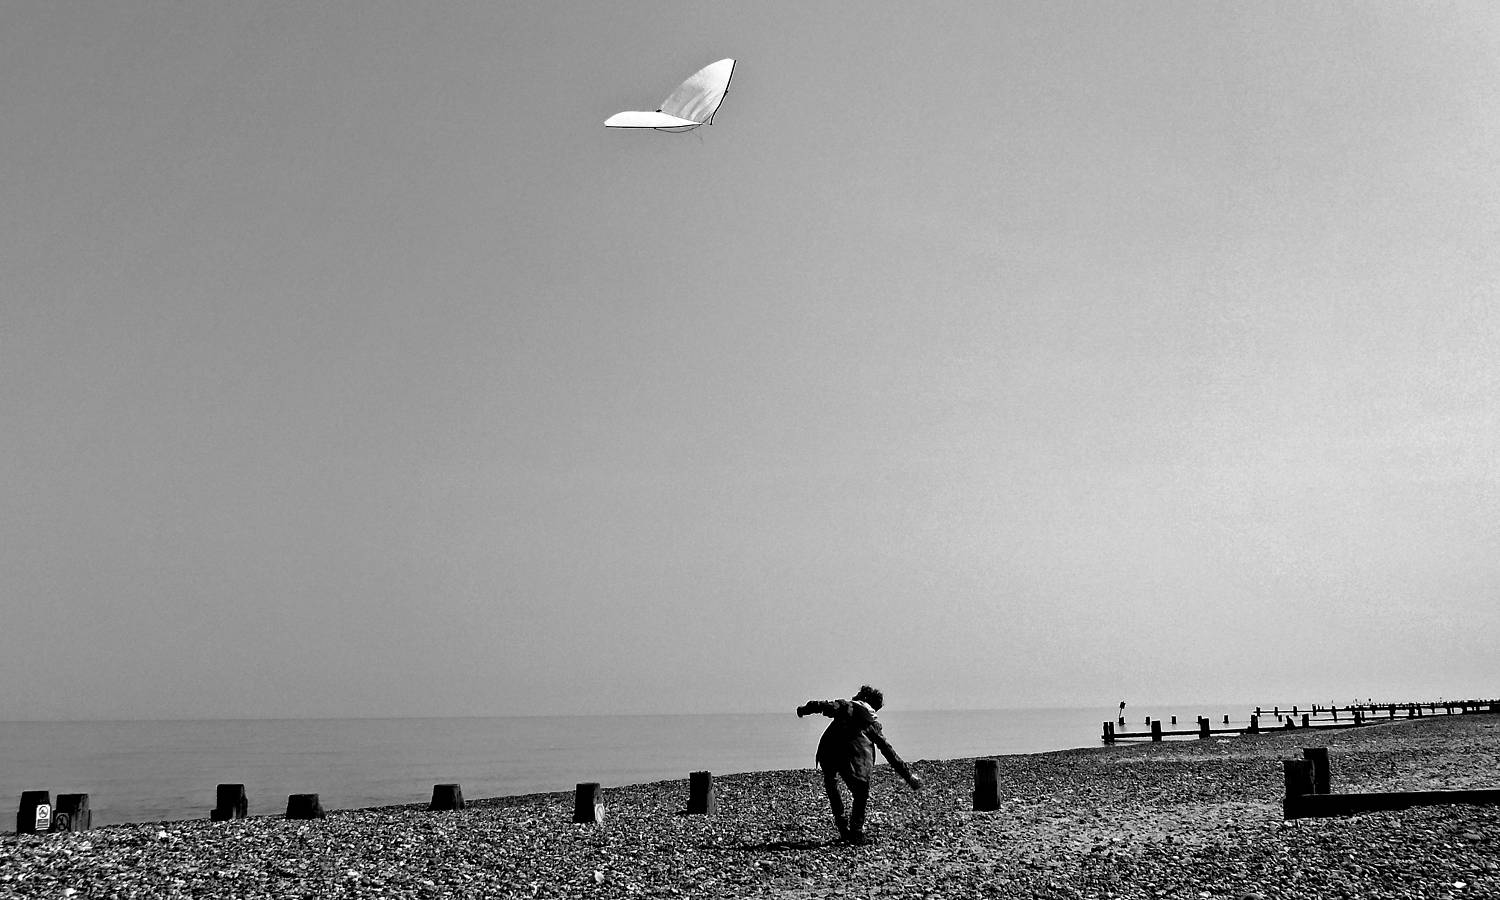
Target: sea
point(155, 771)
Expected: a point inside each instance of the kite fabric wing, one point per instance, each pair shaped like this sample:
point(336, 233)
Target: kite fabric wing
point(693, 103)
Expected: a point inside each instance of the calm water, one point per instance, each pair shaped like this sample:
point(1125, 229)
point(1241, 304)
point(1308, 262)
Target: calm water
point(155, 771)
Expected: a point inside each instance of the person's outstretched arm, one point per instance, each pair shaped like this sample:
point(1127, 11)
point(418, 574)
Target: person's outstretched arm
point(877, 734)
point(829, 708)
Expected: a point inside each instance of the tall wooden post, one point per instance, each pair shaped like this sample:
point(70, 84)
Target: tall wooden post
point(1317, 759)
point(588, 803)
point(1254, 725)
point(986, 785)
point(1203, 731)
point(1297, 773)
point(701, 798)
point(1156, 730)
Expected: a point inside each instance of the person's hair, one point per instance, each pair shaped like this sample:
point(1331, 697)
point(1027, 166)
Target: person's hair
point(871, 696)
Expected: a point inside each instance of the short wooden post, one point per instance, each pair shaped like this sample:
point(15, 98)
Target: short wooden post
point(986, 785)
point(35, 813)
point(304, 806)
point(1306, 720)
point(446, 797)
point(588, 803)
point(1109, 732)
point(701, 798)
point(72, 813)
point(1317, 758)
point(1226, 720)
point(1254, 725)
point(1174, 720)
point(229, 803)
point(1297, 773)
point(1156, 730)
point(1203, 731)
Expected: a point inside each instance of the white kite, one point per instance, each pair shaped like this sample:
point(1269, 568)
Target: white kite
point(693, 103)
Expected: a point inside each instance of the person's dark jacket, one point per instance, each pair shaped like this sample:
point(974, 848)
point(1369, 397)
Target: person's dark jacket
point(848, 744)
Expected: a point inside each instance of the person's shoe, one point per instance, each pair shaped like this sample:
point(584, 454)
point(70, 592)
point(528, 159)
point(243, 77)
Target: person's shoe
point(857, 838)
point(843, 826)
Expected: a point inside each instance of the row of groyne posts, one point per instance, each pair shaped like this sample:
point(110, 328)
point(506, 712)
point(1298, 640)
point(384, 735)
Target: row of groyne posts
point(38, 815)
point(1314, 718)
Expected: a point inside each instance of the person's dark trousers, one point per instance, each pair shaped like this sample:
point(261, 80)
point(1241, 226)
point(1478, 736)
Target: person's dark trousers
point(859, 790)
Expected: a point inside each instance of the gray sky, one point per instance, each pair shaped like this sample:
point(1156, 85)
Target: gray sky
point(996, 354)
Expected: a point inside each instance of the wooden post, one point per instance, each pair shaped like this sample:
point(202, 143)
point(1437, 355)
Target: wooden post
point(588, 803)
point(1203, 732)
point(1306, 720)
point(701, 798)
point(1317, 758)
point(229, 803)
point(1156, 730)
point(304, 806)
point(1226, 720)
point(446, 797)
point(1254, 725)
point(1109, 732)
point(1174, 720)
point(72, 813)
point(986, 785)
point(1298, 776)
point(35, 813)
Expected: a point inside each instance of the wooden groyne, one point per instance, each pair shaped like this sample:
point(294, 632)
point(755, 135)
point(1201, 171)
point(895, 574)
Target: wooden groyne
point(1309, 793)
point(1315, 717)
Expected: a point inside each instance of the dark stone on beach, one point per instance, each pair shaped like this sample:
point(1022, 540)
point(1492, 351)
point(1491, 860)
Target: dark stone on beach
point(446, 797)
point(304, 806)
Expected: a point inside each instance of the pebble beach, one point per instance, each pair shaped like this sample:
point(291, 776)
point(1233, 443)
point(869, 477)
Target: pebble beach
point(1193, 819)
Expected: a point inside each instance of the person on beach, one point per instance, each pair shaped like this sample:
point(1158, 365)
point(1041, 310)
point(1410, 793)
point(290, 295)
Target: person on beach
point(847, 751)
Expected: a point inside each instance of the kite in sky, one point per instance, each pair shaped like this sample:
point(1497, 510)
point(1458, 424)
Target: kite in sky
point(693, 103)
